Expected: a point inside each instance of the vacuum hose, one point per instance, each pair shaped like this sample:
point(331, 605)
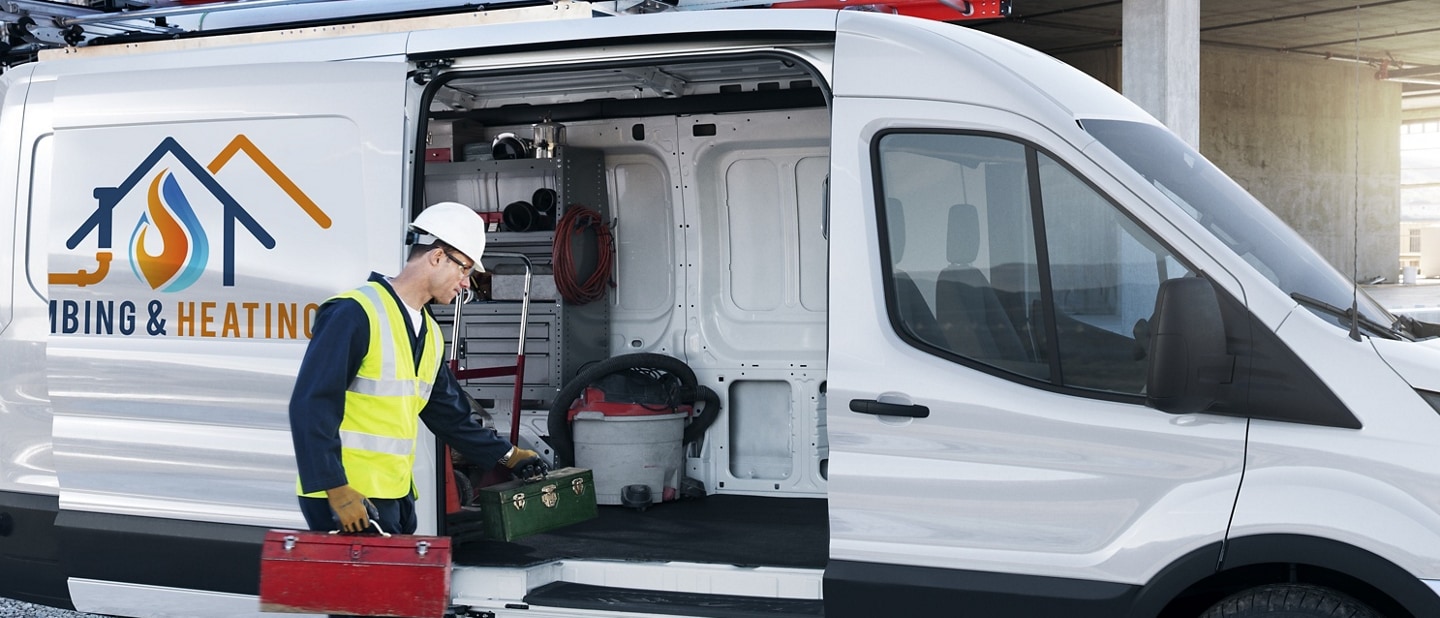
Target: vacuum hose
point(558, 421)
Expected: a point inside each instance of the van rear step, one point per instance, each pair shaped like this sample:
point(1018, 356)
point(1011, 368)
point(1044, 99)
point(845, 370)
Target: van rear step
point(603, 598)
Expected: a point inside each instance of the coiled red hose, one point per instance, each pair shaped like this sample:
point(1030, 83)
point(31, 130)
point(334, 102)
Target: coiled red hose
point(577, 218)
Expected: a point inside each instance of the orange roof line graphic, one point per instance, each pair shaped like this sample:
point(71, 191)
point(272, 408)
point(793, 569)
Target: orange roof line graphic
point(242, 143)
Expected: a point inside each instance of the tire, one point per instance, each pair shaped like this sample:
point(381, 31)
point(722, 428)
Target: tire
point(464, 489)
point(1290, 601)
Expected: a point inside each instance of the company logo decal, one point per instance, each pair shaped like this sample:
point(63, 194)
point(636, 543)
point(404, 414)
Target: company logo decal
point(169, 250)
point(178, 231)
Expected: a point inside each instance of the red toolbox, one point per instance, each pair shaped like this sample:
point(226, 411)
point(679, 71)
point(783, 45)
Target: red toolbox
point(363, 575)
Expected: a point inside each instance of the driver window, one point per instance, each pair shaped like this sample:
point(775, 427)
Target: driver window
point(1001, 256)
point(962, 255)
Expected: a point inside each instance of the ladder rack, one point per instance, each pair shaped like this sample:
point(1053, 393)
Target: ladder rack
point(30, 26)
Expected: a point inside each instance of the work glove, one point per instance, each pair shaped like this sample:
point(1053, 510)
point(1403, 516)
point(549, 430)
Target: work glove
point(353, 513)
point(525, 463)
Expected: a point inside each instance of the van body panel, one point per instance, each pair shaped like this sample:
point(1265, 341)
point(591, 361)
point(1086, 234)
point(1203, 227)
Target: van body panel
point(177, 554)
point(964, 65)
point(30, 568)
point(1357, 487)
point(1414, 362)
point(9, 162)
point(203, 212)
point(854, 589)
point(1000, 477)
point(224, 51)
point(110, 598)
point(26, 465)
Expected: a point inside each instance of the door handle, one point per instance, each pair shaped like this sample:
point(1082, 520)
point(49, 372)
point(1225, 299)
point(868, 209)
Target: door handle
point(870, 406)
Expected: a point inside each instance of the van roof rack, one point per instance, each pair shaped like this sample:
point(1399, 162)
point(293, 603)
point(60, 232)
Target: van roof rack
point(29, 26)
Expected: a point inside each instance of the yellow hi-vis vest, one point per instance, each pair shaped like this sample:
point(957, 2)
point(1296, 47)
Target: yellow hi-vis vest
point(383, 402)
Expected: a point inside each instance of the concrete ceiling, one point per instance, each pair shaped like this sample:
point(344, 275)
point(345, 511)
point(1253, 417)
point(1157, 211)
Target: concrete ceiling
point(1399, 38)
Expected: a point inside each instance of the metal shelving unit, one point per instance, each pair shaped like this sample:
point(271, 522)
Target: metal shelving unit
point(561, 338)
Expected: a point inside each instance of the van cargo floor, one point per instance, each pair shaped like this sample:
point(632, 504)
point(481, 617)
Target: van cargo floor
point(721, 529)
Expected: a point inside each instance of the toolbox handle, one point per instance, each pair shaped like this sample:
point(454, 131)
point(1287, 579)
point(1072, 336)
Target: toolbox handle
point(374, 524)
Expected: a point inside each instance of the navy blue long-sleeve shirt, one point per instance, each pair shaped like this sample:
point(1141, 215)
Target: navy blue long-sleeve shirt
point(340, 338)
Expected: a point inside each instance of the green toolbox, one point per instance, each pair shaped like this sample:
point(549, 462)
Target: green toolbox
point(518, 508)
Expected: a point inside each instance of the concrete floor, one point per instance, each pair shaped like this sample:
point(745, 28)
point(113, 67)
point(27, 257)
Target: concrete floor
point(1421, 300)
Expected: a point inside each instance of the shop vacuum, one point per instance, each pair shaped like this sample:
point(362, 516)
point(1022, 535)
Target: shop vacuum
point(628, 419)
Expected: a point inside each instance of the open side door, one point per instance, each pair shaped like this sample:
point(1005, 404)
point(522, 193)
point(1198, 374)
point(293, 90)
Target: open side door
point(197, 219)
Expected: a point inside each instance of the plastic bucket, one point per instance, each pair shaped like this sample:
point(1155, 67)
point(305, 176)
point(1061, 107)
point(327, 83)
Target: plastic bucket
point(631, 450)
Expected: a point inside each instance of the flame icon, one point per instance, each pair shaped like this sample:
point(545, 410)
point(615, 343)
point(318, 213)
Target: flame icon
point(184, 249)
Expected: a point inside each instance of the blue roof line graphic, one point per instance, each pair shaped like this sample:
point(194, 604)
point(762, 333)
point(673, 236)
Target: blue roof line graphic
point(109, 197)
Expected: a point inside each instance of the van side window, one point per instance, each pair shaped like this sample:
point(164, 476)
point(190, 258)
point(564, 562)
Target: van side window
point(1000, 256)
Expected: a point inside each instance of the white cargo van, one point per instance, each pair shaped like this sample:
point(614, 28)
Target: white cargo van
point(988, 339)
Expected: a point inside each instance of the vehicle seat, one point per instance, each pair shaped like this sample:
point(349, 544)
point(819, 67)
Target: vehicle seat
point(914, 312)
point(966, 306)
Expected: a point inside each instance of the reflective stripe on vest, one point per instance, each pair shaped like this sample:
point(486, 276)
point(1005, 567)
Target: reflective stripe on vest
point(378, 444)
point(384, 400)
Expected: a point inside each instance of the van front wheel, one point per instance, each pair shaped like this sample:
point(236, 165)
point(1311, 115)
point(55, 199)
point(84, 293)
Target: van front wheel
point(1290, 601)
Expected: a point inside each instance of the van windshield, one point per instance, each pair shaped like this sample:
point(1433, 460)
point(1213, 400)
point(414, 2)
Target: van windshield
point(1234, 216)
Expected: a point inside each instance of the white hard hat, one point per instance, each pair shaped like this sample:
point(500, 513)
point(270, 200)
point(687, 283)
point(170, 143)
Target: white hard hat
point(456, 225)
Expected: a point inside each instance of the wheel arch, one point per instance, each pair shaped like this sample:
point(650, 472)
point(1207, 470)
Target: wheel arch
point(1204, 576)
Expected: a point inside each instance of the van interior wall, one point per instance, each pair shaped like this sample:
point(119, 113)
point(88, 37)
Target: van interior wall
point(721, 261)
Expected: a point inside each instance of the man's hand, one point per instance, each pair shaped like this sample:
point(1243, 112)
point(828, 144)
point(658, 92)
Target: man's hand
point(525, 463)
point(349, 506)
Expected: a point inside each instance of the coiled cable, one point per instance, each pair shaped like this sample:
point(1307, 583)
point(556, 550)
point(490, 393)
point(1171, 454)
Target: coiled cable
point(578, 218)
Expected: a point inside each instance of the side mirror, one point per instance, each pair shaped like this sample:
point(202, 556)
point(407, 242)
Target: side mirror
point(1188, 360)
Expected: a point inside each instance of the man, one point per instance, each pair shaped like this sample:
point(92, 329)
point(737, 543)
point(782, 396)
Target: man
point(373, 369)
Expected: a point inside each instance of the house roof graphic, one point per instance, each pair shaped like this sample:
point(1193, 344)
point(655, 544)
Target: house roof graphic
point(109, 197)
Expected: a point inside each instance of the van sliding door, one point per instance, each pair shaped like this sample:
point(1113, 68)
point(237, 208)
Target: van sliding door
point(199, 217)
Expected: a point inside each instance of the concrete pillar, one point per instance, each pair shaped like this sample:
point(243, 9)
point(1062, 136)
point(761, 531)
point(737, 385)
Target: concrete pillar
point(1161, 62)
point(1285, 127)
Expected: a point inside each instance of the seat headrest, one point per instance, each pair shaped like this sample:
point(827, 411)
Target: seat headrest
point(964, 232)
